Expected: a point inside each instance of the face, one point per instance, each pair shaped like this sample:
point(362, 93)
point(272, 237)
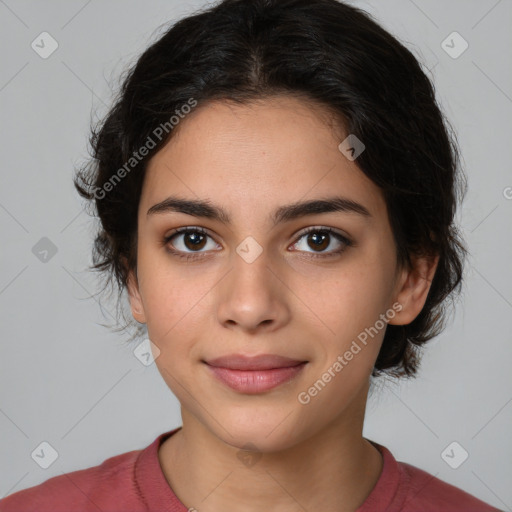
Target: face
point(257, 274)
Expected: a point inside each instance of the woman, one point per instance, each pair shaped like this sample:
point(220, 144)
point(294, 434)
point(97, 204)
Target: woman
point(276, 187)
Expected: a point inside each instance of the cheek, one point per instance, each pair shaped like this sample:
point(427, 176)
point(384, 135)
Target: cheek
point(173, 293)
point(345, 301)
point(172, 307)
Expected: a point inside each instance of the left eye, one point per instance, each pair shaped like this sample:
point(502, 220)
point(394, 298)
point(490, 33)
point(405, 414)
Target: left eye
point(321, 239)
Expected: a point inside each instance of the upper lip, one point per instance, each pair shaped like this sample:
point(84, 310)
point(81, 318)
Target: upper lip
point(259, 362)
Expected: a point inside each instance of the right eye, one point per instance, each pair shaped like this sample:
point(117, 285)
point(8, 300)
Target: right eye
point(185, 242)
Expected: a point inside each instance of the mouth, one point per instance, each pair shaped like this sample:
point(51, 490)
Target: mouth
point(257, 374)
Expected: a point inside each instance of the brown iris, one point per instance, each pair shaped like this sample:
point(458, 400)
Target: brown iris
point(319, 239)
point(197, 240)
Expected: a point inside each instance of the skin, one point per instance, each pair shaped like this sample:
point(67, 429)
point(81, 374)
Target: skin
point(251, 159)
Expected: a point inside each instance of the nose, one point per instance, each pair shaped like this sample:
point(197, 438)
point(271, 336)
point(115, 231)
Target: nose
point(253, 296)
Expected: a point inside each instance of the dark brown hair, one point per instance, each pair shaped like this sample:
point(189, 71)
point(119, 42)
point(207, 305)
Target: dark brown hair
point(330, 53)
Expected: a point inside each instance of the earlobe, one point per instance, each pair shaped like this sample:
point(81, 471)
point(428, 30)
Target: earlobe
point(136, 304)
point(413, 288)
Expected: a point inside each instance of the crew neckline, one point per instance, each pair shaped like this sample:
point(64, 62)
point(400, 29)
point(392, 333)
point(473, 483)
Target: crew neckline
point(157, 494)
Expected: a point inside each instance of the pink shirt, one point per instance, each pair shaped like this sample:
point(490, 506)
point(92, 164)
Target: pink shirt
point(134, 482)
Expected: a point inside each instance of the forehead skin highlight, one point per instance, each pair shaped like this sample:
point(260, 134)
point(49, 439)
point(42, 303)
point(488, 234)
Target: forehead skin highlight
point(285, 132)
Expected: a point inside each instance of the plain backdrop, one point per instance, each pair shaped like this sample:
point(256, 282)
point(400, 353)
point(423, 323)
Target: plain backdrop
point(68, 381)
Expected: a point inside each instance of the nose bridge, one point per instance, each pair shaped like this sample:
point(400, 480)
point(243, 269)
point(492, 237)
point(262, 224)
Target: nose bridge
point(251, 295)
point(250, 272)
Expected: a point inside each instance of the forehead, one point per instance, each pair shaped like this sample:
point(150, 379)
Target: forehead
point(270, 152)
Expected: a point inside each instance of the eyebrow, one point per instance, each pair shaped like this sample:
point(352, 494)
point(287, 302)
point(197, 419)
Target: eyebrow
point(204, 209)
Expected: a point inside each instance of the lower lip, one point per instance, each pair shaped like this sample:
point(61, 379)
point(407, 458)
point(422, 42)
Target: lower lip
point(255, 381)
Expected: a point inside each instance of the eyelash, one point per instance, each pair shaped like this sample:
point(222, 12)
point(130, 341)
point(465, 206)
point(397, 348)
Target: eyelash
point(314, 229)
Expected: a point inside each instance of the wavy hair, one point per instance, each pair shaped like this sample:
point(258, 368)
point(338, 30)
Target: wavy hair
point(327, 52)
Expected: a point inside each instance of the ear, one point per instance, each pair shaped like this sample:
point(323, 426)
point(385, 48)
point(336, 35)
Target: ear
point(136, 303)
point(413, 287)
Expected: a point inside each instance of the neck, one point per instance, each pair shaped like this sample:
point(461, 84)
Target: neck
point(333, 470)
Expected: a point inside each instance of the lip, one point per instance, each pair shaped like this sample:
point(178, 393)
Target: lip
point(259, 362)
point(256, 374)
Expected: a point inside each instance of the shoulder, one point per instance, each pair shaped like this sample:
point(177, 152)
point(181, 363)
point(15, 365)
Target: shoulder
point(425, 492)
point(403, 487)
point(110, 485)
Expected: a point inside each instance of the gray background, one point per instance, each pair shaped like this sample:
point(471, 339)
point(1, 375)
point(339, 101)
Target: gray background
point(67, 380)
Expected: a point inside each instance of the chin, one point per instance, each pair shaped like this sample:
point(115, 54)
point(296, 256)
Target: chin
point(265, 431)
